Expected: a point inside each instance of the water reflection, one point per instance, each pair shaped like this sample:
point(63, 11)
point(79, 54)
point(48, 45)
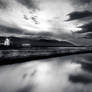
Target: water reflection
point(64, 74)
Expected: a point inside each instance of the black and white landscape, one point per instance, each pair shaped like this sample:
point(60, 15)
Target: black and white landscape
point(45, 45)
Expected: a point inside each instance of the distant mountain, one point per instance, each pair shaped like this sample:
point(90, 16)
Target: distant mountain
point(37, 42)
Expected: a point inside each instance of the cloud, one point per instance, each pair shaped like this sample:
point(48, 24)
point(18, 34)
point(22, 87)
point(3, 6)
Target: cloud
point(78, 15)
point(19, 17)
point(87, 27)
point(28, 3)
point(4, 29)
point(84, 1)
point(81, 2)
point(26, 89)
point(80, 78)
point(86, 31)
point(3, 4)
point(88, 35)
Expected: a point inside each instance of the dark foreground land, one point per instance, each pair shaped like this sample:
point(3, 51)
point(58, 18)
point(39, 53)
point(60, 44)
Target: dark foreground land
point(12, 56)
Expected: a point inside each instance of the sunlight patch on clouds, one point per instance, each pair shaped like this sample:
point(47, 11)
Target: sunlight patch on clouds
point(50, 18)
point(73, 27)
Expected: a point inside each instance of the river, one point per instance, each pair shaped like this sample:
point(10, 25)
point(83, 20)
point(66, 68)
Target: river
point(63, 74)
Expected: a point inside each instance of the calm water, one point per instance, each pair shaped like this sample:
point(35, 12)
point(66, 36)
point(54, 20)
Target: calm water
point(63, 74)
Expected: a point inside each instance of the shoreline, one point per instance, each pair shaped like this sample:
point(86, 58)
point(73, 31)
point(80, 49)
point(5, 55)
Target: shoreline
point(24, 56)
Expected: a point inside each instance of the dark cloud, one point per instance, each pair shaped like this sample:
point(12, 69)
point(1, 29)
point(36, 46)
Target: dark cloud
point(28, 88)
point(40, 34)
point(81, 2)
point(84, 1)
point(4, 29)
point(86, 28)
point(88, 58)
point(3, 4)
point(80, 78)
point(87, 66)
point(78, 15)
point(28, 3)
point(86, 31)
point(88, 36)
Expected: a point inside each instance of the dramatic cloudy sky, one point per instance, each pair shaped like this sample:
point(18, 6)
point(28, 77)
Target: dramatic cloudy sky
point(66, 19)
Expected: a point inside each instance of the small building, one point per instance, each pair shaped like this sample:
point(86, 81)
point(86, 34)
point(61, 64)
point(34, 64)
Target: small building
point(7, 42)
point(26, 45)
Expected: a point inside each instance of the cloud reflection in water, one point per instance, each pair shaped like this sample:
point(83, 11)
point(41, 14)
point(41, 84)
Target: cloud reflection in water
point(51, 75)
